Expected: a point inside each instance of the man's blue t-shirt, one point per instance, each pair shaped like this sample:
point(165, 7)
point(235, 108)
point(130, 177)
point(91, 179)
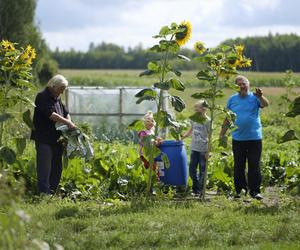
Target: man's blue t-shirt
point(247, 111)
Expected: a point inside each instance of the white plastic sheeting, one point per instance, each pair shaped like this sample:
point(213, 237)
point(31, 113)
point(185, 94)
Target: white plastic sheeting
point(106, 107)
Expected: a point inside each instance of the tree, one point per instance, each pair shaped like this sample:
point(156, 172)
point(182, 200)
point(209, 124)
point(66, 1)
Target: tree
point(17, 25)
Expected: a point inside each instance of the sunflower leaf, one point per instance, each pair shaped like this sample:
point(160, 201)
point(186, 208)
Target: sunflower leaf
point(288, 136)
point(177, 103)
point(136, 125)
point(27, 119)
point(145, 98)
point(8, 155)
point(176, 84)
point(146, 92)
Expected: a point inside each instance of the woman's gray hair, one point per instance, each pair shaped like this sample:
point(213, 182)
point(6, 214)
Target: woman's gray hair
point(57, 81)
point(243, 78)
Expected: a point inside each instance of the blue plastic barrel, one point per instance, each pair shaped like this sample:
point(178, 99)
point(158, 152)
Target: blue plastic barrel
point(177, 173)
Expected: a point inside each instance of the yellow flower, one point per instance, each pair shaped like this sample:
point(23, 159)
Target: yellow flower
point(239, 49)
point(244, 63)
point(7, 45)
point(200, 47)
point(183, 36)
point(28, 55)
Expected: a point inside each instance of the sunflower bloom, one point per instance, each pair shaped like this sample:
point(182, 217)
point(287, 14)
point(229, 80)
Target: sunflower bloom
point(200, 47)
point(183, 36)
point(239, 49)
point(8, 45)
point(244, 63)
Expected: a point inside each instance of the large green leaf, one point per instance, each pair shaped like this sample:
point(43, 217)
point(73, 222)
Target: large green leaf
point(164, 31)
point(4, 117)
point(289, 136)
point(8, 155)
point(136, 125)
point(177, 103)
point(177, 84)
point(162, 85)
point(146, 92)
point(27, 119)
point(294, 108)
point(205, 75)
point(21, 145)
point(153, 66)
point(145, 98)
point(165, 159)
point(166, 120)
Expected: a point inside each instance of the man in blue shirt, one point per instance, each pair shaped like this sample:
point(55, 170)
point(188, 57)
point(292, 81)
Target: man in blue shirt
point(247, 137)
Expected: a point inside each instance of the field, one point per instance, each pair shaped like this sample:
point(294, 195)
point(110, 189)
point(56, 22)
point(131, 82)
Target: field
point(102, 204)
point(131, 78)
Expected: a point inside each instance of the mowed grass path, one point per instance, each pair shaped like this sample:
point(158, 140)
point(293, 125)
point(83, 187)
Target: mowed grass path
point(217, 224)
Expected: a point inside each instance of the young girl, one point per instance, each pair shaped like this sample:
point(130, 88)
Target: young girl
point(199, 147)
point(149, 124)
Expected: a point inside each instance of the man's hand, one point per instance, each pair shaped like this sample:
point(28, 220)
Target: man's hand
point(258, 92)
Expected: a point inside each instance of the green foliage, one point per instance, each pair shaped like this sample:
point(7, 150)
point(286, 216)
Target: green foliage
point(219, 65)
point(15, 77)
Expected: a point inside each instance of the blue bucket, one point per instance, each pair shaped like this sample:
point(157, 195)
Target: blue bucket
point(177, 173)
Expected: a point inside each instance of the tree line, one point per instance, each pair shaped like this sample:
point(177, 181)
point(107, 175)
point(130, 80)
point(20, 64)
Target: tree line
point(268, 53)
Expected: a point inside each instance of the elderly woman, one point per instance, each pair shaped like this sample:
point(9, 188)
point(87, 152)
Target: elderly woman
point(48, 112)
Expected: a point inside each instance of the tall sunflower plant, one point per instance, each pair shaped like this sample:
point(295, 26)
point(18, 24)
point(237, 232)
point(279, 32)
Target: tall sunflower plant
point(15, 83)
point(171, 38)
point(219, 65)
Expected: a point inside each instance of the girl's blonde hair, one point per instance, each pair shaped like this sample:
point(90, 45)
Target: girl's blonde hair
point(148, 117)
point(57, 81)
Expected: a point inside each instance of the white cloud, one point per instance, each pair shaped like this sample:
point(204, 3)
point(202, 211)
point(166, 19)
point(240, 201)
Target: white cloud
point(75, 23)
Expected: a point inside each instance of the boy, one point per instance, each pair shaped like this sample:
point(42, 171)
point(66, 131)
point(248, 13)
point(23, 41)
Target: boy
point(199, 147)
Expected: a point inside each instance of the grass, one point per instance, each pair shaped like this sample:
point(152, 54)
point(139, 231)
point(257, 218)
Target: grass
point(218, 224)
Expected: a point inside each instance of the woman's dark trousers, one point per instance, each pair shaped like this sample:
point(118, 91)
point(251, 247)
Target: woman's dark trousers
point(49, 166)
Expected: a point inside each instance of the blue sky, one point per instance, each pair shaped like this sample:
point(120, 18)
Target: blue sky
point(75, 24)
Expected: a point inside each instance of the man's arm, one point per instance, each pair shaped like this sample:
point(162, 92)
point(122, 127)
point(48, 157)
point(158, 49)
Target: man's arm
point(264, 102)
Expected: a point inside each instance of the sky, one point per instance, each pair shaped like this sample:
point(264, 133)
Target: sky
point(74, 24)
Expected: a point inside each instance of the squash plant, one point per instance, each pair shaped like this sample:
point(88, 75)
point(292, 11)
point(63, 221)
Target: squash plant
point(15, 77)
point(171, 38)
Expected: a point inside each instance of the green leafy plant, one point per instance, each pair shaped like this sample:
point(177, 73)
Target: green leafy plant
point(219, 65)
point(170, 39)
point(15, 77)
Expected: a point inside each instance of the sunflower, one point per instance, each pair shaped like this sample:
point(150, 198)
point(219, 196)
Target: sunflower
point(199, 47)
point(239, 49)
point(8, 45)
point(244, 63)
point(185, 34)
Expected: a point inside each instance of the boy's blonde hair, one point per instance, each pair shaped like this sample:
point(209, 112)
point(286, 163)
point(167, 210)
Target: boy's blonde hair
point(148, 117)
point(200, 103)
